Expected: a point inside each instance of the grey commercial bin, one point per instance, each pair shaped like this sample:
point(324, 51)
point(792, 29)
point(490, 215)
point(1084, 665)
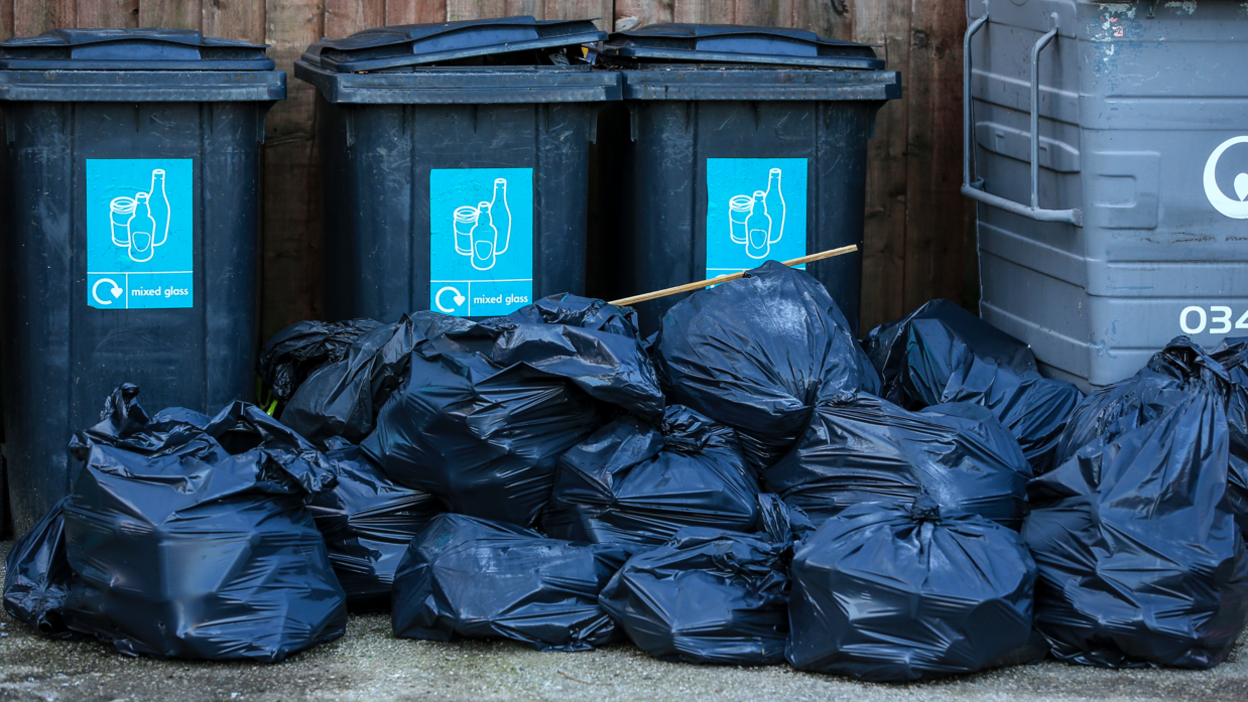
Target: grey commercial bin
point(740, 144)
point(1122, 220)
point(129, 188)
point(455, 161)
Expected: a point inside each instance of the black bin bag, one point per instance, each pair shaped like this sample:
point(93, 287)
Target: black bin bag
point(861, 448)
point(368, 521)
point(638, 484)
point(707, 596)
point(903, 592)
point(37, 576)
point(190, 537)
point(941, 353)
point(1141, 561)
point(1170, 378)
point(487, 411)
point(464, 577)
point(342, 399)
point(756, 353)
point(295, 352)
point(1233, 355)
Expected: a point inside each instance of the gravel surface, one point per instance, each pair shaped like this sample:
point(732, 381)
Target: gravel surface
point(370, 664)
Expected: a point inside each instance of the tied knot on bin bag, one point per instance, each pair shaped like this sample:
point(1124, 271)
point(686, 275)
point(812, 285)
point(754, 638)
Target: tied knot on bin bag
point(925, 509)
point(187, 536)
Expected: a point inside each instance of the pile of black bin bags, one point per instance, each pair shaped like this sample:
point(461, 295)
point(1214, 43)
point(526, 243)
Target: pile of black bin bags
point(752, 485)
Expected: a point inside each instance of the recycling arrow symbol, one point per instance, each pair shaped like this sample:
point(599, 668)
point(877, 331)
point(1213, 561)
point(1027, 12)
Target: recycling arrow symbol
point(115, 290)
point(457, 296)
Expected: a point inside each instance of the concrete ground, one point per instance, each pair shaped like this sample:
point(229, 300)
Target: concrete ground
point(370, 664)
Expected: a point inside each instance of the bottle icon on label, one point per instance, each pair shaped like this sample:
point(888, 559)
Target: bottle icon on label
point(484, 239)
point(758, 228)
point(158, 201)
point(758, 221)
point(774, 200)
point(142, 228)
point(499, 208)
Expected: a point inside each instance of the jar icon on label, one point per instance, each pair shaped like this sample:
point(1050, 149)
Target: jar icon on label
point(121, 210)
point(739, 209)
point(465, 222)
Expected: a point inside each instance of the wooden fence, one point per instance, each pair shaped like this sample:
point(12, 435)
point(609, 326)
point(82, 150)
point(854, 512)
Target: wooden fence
point(918, 231)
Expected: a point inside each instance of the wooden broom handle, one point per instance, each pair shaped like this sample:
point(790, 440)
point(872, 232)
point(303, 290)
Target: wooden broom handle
point(690, 287)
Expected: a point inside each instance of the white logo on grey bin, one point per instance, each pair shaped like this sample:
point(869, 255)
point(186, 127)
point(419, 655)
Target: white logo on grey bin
point(1235, 209)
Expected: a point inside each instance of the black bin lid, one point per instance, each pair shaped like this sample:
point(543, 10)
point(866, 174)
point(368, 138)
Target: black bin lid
point(143, 49)
point(420, 44)
point(724, 43)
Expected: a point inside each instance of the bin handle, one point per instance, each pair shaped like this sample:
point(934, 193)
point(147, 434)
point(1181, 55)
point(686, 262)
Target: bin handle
point(974, 189)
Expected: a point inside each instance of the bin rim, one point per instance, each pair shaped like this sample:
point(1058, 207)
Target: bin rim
point(760, 85)
point(738, 44)
point(467, 85)
point(150, 49)
point(422, 44)
point(142, 86)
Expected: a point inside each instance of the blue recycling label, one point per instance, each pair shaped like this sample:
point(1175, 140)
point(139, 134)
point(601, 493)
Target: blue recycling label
point(140, 233)
point(480, 240)
point(755, 212)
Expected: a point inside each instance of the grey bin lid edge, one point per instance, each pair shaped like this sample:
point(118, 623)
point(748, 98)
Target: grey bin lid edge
point(422, 44)
point(141, 49)
point(740, 44)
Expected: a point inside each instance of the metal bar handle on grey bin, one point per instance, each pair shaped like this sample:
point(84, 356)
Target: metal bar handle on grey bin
point(975, 189)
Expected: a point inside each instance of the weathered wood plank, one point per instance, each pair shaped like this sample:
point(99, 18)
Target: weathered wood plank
point(34, 17)
point(457, 10)
point(108, 13)
point(173, 14)
point(6, 29)
point(291, 239)
point(346, 17)
point(886, 22)
point(234, 19)
point(601, 11)
point(935, 219)
point(415, 11)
